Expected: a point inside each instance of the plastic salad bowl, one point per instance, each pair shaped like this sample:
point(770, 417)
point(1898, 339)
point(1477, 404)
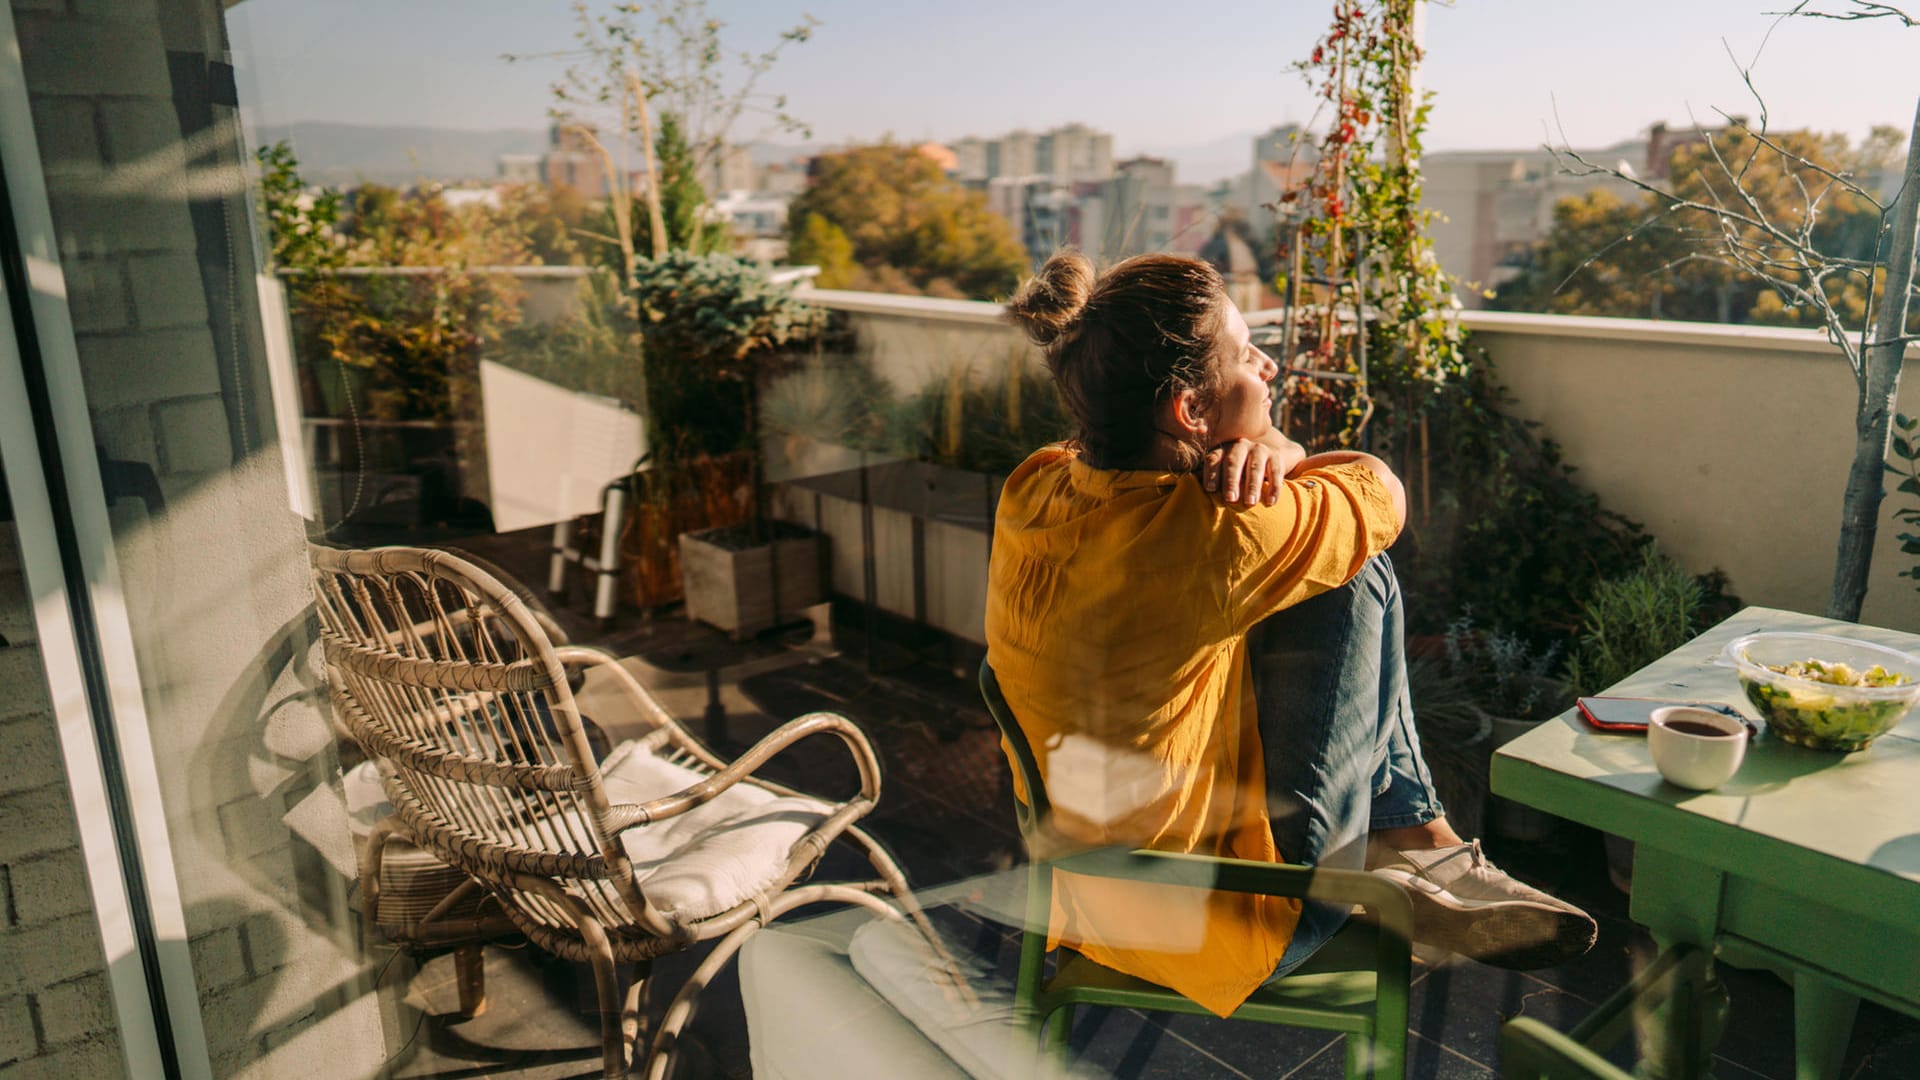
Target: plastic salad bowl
point(1823, 715)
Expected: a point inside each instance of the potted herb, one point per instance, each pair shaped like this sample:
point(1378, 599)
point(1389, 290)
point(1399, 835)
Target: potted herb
point(713, 327)
point(1513, 688)
point(1629, 622)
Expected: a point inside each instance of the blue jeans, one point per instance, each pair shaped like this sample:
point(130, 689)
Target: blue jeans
point(1336, 728)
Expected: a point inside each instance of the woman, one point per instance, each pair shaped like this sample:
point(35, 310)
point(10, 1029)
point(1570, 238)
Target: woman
point(1198, 629)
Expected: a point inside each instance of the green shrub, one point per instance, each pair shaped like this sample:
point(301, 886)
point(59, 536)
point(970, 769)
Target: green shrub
point(1631, 621)
point(712, 326)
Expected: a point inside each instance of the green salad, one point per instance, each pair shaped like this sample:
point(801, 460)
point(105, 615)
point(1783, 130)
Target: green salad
point(1810, 716)
point(1839, 674)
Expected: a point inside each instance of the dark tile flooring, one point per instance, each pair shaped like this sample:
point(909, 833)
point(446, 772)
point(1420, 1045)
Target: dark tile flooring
point(945, 813)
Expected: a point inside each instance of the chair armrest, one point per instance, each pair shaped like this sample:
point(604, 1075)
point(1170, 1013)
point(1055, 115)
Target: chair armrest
point(1387, 901)
point(628, 815)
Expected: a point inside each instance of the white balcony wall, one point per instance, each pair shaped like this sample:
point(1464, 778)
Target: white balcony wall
point(1730, 444)
point(915, 340)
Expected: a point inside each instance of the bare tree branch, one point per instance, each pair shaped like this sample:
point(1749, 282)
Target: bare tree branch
point(1862, 9)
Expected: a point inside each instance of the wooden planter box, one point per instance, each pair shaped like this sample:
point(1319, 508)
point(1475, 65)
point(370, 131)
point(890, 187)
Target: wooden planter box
point(922, 531)
point(735, 589)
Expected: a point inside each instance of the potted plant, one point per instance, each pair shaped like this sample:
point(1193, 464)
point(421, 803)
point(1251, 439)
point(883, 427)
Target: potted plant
point(1455, 739)
point(1514, 689)
point(1629, 622)
point(712, 328)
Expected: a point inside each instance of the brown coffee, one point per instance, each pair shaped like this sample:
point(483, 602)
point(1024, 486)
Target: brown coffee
point(1695, 727)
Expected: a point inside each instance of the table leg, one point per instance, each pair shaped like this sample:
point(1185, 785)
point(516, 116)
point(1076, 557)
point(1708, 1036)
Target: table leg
point(1822, 1023)
point(1678, 1036)
point(1679, 900)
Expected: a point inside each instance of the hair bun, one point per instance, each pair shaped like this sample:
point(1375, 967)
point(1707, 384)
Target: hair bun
point(1049, 304)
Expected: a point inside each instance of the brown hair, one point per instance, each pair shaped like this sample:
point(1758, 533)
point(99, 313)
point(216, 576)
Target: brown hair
point(1121, 343)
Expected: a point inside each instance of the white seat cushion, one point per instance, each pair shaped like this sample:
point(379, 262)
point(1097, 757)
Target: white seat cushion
point(716, 855)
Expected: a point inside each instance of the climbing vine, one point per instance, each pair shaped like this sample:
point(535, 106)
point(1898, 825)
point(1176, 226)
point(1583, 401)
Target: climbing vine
point(1364, 252)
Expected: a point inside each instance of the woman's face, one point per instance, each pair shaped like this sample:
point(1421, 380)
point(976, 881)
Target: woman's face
point(1244, 408)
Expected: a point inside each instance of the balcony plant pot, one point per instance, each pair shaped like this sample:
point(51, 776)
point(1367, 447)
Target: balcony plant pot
point(744, 587)
point(665, 501)
point(1506, 818)
point(1459, 766)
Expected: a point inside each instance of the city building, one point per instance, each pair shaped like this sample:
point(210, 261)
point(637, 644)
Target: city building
point(1145, 209)
point(1074, 153)
point(520, 169)
point(1070, 154)
point(731, 169)
point(574, 161)
point(970, 159)
point(1017, 153)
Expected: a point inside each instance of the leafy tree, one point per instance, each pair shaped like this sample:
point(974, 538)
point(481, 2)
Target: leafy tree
point(410, 341)
point(910, 227)
point(670, 50)
point(300, 225)
point(821, 243)
point(1646, 259)
point(1791, 248)
point(683, 202)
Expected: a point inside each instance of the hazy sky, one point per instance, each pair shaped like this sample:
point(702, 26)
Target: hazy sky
point(1156, 74)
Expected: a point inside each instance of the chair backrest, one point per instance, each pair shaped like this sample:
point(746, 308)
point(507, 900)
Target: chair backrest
point(446, 677)
point(1036, 809)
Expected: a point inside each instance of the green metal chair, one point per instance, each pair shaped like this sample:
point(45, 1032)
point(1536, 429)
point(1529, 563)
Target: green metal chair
point(1530, 1050)
point(1355, 984)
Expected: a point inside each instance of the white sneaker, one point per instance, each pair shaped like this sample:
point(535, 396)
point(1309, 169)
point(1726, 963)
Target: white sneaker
point(1466, 904)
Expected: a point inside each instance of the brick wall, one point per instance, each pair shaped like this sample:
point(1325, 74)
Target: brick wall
point(55, 1015)
point(170, 350)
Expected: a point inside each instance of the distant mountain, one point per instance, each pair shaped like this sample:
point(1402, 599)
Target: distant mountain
point(766, 153)
point(342, 155)
point(1207, 162)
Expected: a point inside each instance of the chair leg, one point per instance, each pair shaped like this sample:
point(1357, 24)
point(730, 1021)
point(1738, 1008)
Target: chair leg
point(470, 972)
point(606, 982)
point(1056, 1040)
point(633, 1017)
point(1358, 1052)
point(680, 1011)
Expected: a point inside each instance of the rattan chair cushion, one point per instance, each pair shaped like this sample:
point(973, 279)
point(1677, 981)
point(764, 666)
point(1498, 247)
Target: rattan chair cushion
point(715, 856)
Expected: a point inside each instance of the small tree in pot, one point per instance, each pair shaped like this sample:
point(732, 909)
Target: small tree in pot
point(713, 327)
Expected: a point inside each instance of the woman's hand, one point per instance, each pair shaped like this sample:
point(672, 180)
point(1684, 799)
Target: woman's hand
point(1247, 472)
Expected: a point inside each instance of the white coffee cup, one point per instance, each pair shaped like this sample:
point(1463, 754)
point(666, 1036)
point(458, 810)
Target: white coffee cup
point(1701, 758)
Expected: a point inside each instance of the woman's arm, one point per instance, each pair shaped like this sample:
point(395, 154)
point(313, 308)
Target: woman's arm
point(1379, 468)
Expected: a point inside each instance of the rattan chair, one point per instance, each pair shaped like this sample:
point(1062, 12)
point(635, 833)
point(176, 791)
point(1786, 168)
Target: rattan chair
point(441, 673)
point(1357, 983)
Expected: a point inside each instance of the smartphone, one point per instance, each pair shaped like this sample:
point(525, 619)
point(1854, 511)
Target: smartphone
point(1632, 715)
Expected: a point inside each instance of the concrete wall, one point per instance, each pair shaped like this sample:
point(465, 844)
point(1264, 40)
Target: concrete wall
point(159, 271)
point(1730, 444)
point(915, 340)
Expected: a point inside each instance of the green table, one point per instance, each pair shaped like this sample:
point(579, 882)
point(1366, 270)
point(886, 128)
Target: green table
point(1806, 862)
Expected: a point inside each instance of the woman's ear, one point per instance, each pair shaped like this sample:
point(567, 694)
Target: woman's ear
point(1187, 418)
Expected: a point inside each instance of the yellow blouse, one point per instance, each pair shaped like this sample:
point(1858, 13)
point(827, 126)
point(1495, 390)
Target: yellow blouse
point(1117, 610)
